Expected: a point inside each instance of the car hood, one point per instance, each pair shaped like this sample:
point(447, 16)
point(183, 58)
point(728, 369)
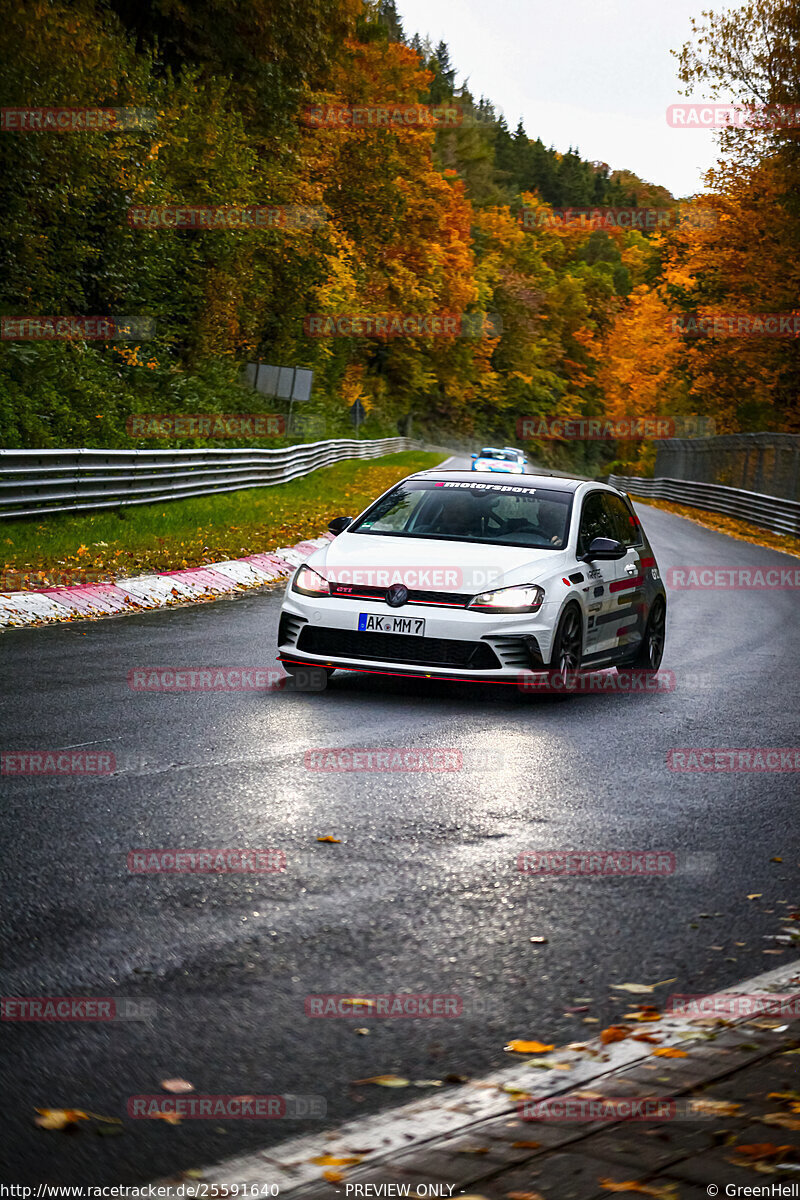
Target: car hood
point(375, 561)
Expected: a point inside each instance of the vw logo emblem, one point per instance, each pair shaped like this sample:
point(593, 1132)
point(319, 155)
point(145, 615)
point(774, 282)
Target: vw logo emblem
point(397, 595)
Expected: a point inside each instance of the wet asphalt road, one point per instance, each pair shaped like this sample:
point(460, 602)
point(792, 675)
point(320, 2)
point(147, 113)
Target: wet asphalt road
point(421, 895)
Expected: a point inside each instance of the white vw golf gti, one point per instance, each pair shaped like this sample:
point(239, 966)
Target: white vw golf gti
point(455, 575)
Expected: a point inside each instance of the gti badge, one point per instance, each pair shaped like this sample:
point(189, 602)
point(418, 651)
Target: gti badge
point(397, 595)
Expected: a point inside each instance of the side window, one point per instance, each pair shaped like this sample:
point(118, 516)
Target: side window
point(596, 521)
point(627, 531)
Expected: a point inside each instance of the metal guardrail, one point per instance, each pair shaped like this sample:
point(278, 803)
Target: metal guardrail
point(763, 463)
point(770, 512)
point(38, 482)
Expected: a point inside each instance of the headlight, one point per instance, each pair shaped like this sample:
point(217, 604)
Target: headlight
point(527, 598)
point(309, 583)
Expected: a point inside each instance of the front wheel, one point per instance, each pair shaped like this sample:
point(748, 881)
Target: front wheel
point(651, 649)
point(567, 645)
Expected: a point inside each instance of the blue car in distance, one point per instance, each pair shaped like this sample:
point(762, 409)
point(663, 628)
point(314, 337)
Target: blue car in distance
point(506, 461)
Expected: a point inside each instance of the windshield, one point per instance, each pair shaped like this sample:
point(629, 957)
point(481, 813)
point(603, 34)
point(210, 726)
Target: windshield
point(497, 514)
point(503, 455)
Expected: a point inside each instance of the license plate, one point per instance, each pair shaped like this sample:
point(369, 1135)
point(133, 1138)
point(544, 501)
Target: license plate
point(375, 623)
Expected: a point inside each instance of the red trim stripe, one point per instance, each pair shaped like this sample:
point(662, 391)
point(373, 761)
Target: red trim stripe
point(619, 585)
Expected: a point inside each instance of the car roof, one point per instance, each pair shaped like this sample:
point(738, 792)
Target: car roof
point(558, 482)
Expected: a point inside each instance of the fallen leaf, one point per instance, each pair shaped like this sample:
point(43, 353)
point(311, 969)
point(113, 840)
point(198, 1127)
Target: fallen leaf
point(520, 1046)
point(763, 1150)
point(395, 1081)
point(641, 989)
point(525, 1146)
point(783, 1120)
point(722, 1108)
point(667, 1192)
point(614, 1033)
point(333, 1176)
point(776, 859)
point(644, 1014)
point(472, 1150)
point(547, 1064)
point(328, 838)
point(170, 1118)
point(755, 895)
point(538, 941)
point(646, 1037)
point(330, 1160)
point(783, 1095)
point(427, 1083)
point(670, 1052)
point(178, 1086)
point(363, 1031)
point(59, 1118)
point(355, 1001)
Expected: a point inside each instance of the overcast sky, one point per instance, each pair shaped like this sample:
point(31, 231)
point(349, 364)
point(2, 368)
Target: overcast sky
point(594, 74)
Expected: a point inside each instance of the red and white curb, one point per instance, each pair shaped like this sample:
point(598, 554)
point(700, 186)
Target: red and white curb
point(290, 1164)
point(46, 606)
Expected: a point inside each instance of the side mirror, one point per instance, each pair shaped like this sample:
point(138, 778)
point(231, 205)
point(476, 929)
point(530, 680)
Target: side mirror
point(339, 524)
point(603, 550)
point(473, 456)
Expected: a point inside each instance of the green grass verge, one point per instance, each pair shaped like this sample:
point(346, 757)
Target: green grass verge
point(190, 533)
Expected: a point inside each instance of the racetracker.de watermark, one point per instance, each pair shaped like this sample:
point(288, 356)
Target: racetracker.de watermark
point(227, 1108)
point(57, 762)
point(596, 862)
point(595, 683)
point(733, 116)
point(591, 1106)
point(206, 862)
point(75, 1008)
point(391, 115)
point(733, 1004)
point(644, 219)
point(403, 325)
point(595, 429)
point(749, 758)
point(76, 120)
point(340, 759)
point(226, 217)
point(733, 578)
point(384, 1005)
point(348, 579)
point(12, 580)
point(765, 324)
point(226, 679)
point(77, 328)
point(206, 425)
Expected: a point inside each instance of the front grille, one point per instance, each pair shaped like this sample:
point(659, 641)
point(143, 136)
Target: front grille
point(288, 629)
point(355, 591)
point(398, 647)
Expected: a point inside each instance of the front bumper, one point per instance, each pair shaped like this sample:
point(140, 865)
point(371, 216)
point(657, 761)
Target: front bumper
point(458, 643)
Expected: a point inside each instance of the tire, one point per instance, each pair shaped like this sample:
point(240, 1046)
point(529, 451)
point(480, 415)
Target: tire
point(651, 650)
point(568, 644)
